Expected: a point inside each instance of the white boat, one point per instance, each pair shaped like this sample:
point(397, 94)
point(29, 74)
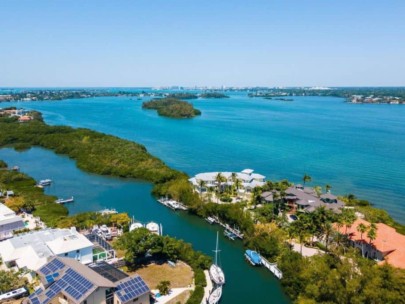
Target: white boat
point(135, 225)
point(172, 204)
point(65, 200)
point(210, 220)
point(154, 228)
point(108, 211)
point(45, 182)
point(216, 273)
point(215, 296)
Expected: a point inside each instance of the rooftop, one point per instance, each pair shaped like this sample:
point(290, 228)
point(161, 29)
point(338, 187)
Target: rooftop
point(388, 241)
point(32, 249)
point(77, 282)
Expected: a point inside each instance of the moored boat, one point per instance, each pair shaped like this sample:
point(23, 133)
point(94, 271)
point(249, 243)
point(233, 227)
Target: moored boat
point(210, 220)
point(65, 200)
point(215, 296)
point(135, 225)
point(45, 182)
point(216, 273)
point(108, 211)
point(229, 235)
point(154, 228)
point(253, 257)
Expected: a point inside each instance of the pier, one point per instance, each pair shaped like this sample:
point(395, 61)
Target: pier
point(172, 204)
point(234, 231)
point(272, 267)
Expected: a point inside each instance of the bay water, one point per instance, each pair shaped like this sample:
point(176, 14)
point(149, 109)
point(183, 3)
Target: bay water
point(357, 149)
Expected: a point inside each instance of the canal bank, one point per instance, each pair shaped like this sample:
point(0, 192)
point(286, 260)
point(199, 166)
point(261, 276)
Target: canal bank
point(245, 284)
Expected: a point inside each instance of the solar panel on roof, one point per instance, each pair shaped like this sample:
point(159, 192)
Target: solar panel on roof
point(35, 301)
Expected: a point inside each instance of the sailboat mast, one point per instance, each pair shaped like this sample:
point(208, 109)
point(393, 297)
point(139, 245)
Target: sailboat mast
point(216, 251)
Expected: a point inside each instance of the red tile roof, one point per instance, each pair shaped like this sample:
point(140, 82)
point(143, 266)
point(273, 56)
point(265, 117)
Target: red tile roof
point(388, 241)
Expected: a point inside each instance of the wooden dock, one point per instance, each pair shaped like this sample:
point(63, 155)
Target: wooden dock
point(235, 231)
point(272, 267)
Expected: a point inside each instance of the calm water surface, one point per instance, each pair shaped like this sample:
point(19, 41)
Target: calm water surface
point(355, 148)
point(245, 284)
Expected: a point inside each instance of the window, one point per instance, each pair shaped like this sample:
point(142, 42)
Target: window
point(78, 251)
point(66, 254)
point(134, 300)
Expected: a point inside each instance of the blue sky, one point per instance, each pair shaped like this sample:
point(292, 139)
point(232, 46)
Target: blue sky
point(193, 42)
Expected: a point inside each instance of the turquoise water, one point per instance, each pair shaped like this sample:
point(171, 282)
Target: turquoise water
point(245, 284)
point(355, 148)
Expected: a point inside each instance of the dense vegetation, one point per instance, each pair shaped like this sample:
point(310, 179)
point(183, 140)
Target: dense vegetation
point(55, 94)
point(182, 95)
point(172, 107)
point(344, 92)
point(213, 95)
point(332, 279)
point(10, 280)
point(29, 198)
point(306, 280)
point(141, 246)
point(94, 152)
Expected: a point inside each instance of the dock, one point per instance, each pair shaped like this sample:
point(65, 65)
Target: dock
point(207, 289)
point(272, 267)
point(172, 204)
point(234, 231)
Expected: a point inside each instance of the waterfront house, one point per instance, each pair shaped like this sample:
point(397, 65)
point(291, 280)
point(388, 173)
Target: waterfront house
point(388, 246)
point(25, 118)
point(67, 281)
point(305, 199)
point(9, 222)
point(248, 180)
point(33, 249)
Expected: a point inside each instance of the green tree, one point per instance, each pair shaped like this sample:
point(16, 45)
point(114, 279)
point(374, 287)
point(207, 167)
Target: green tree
point(201, 185)
point(219, 178)
point(347, 217)
point(164, 287)
point(372, 233)
point(361, 228)
point(328, 187)
point(306, 179)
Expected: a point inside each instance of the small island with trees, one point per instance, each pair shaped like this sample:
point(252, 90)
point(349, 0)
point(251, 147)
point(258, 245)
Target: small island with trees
point(172, 107)
point(213, 95)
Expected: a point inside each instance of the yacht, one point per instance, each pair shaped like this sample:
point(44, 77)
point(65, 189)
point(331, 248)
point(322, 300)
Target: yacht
point(65, 200)
point(215, 296)
point(45, 182)
point(154, 228)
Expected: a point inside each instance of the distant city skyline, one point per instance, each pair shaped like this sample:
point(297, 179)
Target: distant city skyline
point(202, 43)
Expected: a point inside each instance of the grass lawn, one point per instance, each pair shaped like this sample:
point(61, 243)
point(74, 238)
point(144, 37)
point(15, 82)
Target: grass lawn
point(179, 276)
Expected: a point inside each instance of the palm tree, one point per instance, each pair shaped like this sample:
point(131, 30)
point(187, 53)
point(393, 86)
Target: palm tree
point(300, 229)
point(219, 178)
point(318, 190)
point(234, 177)
point(328, 187)
point(201, 184)
point(257, 191)
point(347, 217)
point(306, 179)
point(362, 229)
point(372, 233)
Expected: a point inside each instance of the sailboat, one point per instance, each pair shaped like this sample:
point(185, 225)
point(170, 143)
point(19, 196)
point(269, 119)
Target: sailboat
point(216, 273)
point(215, 296)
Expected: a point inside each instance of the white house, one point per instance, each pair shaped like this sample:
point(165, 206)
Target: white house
point(32, 250)
point(9, 222)
point(248, 179)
